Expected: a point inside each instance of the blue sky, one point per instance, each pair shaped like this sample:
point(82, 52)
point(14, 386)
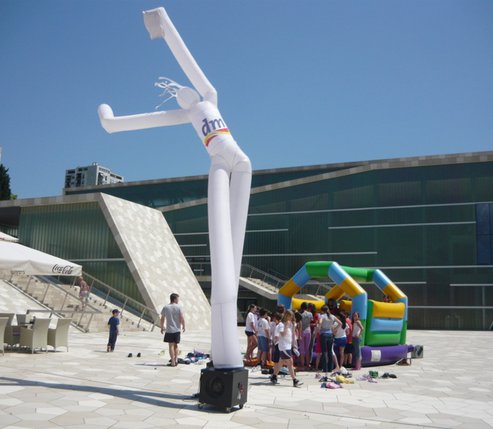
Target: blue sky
point(299, 83)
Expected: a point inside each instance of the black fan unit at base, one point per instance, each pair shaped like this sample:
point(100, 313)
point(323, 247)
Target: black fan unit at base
point(223, 388)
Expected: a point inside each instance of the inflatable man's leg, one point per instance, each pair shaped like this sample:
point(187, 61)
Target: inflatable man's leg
point(224, 292)
point(241, 180)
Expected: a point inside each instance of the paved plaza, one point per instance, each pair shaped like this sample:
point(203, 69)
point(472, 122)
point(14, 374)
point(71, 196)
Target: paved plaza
point(452, 387)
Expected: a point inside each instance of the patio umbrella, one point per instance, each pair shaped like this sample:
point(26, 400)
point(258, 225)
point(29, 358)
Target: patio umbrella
point(16, 258)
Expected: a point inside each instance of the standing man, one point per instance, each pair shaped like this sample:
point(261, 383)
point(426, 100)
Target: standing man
point(172, 314)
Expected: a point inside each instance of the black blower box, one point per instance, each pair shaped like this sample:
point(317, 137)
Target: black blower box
point(223, 388)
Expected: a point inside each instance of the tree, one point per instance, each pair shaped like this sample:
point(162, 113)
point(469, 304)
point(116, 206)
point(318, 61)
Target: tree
point(5, 193)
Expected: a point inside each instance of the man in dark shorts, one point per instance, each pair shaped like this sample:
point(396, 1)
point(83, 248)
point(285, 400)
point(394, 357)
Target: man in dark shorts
point(172, 315)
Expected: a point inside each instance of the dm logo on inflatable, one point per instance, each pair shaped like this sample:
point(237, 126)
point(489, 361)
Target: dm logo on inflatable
point(213, 128)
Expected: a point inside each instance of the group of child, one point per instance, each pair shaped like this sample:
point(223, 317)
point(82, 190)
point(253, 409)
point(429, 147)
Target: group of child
point(305, 339)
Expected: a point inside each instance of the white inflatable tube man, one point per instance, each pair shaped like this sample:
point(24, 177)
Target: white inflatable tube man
point(229, 183)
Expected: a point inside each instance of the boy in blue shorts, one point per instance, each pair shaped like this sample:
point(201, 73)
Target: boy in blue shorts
point(113, 324)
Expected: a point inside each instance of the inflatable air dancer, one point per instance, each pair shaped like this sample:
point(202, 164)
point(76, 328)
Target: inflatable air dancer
point(230, 174)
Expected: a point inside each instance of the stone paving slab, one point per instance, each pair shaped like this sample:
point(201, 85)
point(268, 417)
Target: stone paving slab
point(452, 387)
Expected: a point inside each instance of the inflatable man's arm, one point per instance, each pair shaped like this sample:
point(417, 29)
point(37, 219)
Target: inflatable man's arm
point(114, 124)
point(159, 24)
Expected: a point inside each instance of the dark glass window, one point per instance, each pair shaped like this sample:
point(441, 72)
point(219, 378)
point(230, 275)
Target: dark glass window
point(484, 238)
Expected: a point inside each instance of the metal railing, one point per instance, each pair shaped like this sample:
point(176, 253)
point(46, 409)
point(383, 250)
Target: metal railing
point(277, 274)
point(249, 271)
point(203, 269)
point(58, 313)
point(312, 287)
point(65, 295)
point(318, 288)
point(68, 297)
point(82, 314)
point(64, 314)
point(117, 298)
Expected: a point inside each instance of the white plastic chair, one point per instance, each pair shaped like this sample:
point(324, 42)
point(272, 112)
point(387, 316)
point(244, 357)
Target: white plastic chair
point(58, 337)
point(11, 338)
point(8, 315)
point(37, 336)
point(23, 319)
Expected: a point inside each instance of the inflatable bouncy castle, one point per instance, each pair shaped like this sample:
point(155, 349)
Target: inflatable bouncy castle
point(385, 322)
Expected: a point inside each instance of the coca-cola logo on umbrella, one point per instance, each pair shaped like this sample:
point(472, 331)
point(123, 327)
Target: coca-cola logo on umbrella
point(59, 269)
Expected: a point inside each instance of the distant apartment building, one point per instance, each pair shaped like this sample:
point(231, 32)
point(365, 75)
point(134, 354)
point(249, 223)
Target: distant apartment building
point(91, 175)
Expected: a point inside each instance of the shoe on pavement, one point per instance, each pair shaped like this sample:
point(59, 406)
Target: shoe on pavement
point(297, 383)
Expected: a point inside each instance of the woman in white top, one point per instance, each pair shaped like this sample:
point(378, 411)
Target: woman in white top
point(340, 338)
point(285, 329)
point(327, 325)
point(251, 331)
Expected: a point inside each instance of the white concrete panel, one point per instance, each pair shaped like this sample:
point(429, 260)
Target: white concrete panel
point(155, 259)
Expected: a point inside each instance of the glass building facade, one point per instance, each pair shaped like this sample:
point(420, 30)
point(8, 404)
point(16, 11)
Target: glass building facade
point(78, 232)
point(429, 228)
point(426, 222)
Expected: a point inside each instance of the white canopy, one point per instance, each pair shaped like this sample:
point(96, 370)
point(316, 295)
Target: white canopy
point(15, 258)
point(7, 237)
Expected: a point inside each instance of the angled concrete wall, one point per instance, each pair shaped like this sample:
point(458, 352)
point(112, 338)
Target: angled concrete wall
point(155, 259)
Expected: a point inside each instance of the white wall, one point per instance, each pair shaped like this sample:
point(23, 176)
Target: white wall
point(155, 259)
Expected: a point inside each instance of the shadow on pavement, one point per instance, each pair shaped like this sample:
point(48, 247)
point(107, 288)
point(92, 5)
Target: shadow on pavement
point(147, 397)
